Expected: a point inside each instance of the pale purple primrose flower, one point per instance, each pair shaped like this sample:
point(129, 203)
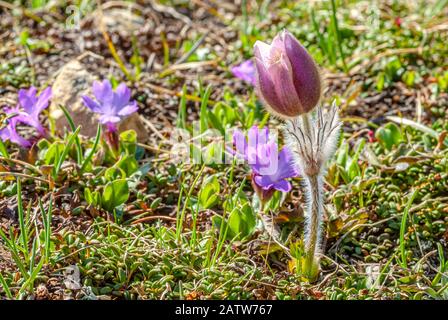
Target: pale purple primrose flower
point(270, 168)
point(9, 132)
point(112, 105)
point(33, 106)
point(245, 71)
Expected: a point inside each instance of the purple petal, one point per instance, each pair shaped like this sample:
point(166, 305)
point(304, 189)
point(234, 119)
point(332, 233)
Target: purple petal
point(24, 118)
point(258, 136)
point(305, 72)
point(121, 96)
point(283, 186)
point(42, 101)
point(254, 139)
point(278, 43)
point(104, 119)
point(267, 160)
point(4, 134)
point(287, 166)
point(264, 182)
point(18, 139)
point(27, 99)
point(259, 148)
point(129, 109)
point(91, 104)
point(103, 91)
point(240, 143)
point(288, 100)
point(10, 133)
point(265, 86)
point(262, 51)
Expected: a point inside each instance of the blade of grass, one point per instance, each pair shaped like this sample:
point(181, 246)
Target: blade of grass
point(181, 219)
point(338, 34)
point(46, 219)
point(182, 114)
point(166, 50)
point(33, 256)
point(5, 287)
point(113, 51)
point(88, 159)
point(203, 112)
point(14, 252)
point(23, 230)
point(223, 232)
point(320, 37)
point(71, 123)
point(64, 154)
point(29, 283)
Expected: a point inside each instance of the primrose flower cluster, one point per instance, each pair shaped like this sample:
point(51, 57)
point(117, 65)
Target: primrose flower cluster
point(27, 112)
point(112, 106)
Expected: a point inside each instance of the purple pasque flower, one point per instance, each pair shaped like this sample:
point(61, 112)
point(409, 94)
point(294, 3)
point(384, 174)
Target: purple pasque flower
point(288, 79)
point(33, 105)
point(245, 71)
point(270, 168)
point(9, 132)
point(111, 105)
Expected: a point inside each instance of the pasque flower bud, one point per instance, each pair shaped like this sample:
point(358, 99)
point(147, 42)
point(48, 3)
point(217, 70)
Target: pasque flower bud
point(288, 80)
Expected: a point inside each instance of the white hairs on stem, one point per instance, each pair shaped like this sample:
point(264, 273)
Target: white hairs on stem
point(313, 142)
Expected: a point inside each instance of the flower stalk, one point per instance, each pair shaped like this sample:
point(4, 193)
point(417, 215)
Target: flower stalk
point(313, 142)
point(313, 225)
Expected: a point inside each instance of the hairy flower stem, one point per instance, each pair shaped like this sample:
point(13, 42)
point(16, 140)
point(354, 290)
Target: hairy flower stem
point(314, 209)
point(313, 222)
point(314, 140)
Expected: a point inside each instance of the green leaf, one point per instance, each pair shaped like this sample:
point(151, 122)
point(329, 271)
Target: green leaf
point(409, 78)
point(389, 135)
point(380, 81)
point(242, 221)
point(128, 164)
point(215, 122)
point(3, 150)
point(128, 141)
point(115, 193)
point(53, 152)
point(92, 198)
point(208, 196)
point(114, 173)
point(416, 126)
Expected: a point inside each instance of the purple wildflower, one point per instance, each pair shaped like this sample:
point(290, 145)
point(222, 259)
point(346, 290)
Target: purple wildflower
point(270, 167)
point(113, 106)
point(9, 132)
point(288, 80)
point(32, 106)
point(245, 71)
